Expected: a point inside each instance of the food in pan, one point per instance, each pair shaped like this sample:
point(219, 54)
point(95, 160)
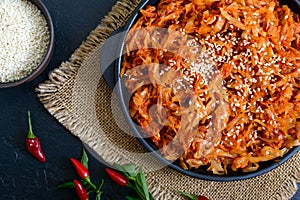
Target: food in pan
point(216, 83)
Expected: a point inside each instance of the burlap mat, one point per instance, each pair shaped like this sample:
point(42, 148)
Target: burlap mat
point(79, 98)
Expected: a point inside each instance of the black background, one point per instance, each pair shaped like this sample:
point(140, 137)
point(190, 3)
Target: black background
point(21, 176)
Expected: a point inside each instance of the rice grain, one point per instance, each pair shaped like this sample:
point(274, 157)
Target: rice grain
point(24, 39)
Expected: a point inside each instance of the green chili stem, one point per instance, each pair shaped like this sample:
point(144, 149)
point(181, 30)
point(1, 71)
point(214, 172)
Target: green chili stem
point(100, 186)
point(193, 197)
point(30, 133)
point(131, 178)
point(88, 180)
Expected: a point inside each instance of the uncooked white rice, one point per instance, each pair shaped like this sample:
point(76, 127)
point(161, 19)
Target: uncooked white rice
point(24, 39)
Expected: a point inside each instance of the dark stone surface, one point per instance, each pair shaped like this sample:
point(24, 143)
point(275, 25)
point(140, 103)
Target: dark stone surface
point(21, 176)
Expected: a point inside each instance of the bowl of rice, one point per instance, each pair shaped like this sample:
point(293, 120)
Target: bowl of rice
point(26, 42)
point(211, 88)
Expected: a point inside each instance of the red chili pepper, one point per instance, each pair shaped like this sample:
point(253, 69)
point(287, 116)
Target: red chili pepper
point(193, 197)
point(120, 179)
point(202, 198)
point(33, 143)
point(81, 191)
point(81, 170)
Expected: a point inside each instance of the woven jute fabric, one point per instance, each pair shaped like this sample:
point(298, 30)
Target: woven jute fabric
point(79, 98)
